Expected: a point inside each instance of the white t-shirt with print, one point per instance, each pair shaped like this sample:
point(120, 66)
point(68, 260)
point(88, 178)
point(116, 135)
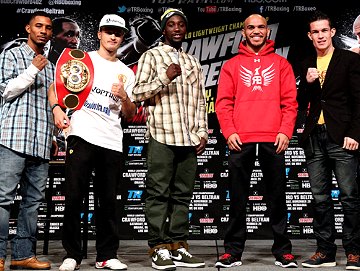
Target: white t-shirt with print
point(98, 121)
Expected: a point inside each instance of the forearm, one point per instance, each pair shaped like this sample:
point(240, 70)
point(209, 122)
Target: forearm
point(145, 90)
point(19, 84)
point(149, 80)
point(52, 95)
point(128, 108)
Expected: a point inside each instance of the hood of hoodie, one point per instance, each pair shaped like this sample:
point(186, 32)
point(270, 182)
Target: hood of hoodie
point(268, 49)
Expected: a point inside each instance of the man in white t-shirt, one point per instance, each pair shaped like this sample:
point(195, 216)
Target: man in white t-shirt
point(94, 142)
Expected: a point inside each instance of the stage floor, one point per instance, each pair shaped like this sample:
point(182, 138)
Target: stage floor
point(257, 255)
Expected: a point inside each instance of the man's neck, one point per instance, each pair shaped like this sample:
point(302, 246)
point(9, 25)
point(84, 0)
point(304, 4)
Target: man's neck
point(108, 55)
point(329, 50)
point(176, 45)
point(39, 50)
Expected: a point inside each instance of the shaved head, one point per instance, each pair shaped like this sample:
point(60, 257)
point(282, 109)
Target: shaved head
point(356, 25)
point(253, 17)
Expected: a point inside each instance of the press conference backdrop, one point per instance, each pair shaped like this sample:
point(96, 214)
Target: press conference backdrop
point(214, 34)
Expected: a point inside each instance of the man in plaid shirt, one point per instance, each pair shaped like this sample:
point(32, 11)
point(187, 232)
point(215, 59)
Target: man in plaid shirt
point(26, 128)
point(171, 83)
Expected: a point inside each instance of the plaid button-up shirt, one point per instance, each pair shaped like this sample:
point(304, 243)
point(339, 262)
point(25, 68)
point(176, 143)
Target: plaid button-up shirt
point(176, 109)
point(26, 123)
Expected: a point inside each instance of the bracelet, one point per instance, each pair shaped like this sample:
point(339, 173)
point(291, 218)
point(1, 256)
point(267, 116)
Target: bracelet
point(54, 105)
point(123, 101)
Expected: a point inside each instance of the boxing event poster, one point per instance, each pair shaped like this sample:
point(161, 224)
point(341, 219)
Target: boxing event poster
point(214, 34)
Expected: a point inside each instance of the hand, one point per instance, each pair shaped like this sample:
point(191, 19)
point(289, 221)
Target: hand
point(61, 120)
point(173, 71)
point(234, 142)
point(282, 142)
point(39, 62)
point(118, 89)
point(312, 75)
point(350, 144)
point(201, 147)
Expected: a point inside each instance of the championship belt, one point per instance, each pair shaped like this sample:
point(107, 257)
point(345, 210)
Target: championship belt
point(74, 77)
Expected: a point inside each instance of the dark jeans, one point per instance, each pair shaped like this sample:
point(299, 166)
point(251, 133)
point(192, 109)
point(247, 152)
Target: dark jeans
point(169, 187)
point(241, 165)
point(81, 159)
point(328, 157)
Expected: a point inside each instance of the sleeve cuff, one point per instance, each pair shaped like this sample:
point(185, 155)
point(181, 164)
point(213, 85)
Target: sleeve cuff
point(32, 71)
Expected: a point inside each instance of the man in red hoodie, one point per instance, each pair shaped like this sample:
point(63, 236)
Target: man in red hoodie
point(256, 108)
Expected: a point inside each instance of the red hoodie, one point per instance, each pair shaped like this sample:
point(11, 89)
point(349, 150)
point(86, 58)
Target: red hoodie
point(256, 96)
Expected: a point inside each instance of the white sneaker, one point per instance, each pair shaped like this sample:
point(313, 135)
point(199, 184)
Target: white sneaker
point(69, 264)
point(161, 260)
point(113, 264)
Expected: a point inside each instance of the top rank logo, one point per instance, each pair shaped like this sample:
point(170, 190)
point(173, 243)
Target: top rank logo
point(135, 150)
point(134, 194)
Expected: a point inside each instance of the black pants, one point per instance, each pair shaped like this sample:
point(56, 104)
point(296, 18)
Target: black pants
point(82, 158)
point(241, 165)
point(328, 158)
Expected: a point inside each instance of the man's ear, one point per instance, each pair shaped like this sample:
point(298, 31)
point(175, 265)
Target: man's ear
point(309, 36)
point(333, 32)
point(243, 33)
point(27, 28)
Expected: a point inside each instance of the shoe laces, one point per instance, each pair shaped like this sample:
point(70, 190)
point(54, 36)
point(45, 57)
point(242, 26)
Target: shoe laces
point(317, 255)
point(353, 258)
point(69, 262)
point(184, 251)
point(225, 256)
point(288, 257)
point(163, 253)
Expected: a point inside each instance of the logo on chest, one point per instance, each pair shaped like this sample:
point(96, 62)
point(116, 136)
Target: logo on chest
point(258, 78)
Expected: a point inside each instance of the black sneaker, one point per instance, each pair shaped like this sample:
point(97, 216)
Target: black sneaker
point(353, 262)
point(227, 260)
point(319, 260)
point(161, 260)
point(182, 257)
point(286, 261)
